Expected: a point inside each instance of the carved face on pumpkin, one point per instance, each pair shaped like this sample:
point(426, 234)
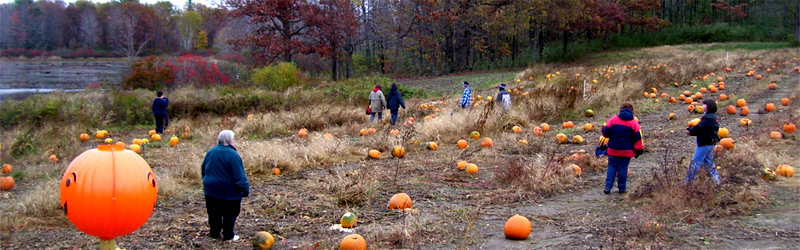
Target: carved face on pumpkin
point(108, 192)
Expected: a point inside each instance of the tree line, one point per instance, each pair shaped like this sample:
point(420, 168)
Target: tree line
point(403, 37)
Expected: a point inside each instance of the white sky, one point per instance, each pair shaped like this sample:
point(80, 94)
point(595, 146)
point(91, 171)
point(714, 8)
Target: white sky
point(179, 3)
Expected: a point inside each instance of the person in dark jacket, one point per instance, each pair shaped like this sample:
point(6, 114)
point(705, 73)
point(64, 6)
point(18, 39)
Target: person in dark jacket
point(160, 111)
point(707, 138)
point(224, 186)
point(624, 141)
point(503, 98)
point(394, 101)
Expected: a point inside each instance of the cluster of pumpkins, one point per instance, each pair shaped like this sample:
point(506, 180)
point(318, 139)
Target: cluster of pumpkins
point(136, 144)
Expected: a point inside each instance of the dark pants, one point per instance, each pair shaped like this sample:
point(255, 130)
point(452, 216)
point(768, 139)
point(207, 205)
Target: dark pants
point(394, 115)
point(617, 167)
point(222, 216)
point(161, 122)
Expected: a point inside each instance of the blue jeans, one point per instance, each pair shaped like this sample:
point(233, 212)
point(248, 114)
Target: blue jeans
point(372, 116)
point(161, 122)
point(394, 116)
point(703, 156)
point(617, 167)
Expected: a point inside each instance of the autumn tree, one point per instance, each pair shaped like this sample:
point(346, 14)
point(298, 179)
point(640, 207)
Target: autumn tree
point(336, 26)
point(129, 34)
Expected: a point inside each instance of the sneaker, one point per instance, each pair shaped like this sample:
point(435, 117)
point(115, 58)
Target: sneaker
point(235, 238)
point(606, 191)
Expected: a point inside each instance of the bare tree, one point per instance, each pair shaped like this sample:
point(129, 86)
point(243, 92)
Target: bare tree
point(127, 38)
point(89, 27)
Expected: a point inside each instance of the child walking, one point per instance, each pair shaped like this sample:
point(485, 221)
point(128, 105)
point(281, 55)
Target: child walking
point(707, 138)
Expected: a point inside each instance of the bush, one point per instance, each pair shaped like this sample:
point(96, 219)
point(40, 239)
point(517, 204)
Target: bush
point(277, 77)
point(193, 69)
point(151, 73)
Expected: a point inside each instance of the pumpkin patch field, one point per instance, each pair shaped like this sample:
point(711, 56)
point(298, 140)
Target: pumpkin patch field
point(323, 177)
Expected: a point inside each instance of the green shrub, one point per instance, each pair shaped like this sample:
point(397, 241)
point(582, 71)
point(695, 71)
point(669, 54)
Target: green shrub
point(277, 77)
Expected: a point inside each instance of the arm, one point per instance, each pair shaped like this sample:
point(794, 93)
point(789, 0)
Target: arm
point(239, 175)
point(638, 144)
point(402, 103)
point(203, 167)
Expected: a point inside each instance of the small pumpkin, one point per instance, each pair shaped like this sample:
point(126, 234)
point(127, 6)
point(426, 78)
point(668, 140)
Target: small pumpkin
point(353, 242)
point(672, 100)
point(151, 133)
point(474, 135)
point(362, 132)
point(575, 169)
point(173, 141)
point(6, 183)
point(785, 101)
point(276, 171)
point(775, 135)
point(108, 140)
point(327, 136)
point(588, 127)
point(723, 97)
point(462, 144)
point(348, 220)
point(727, 143)
point(84, 137)
point(788, 127)
point(577, 139)
point(374, 154)
point(561, 138)
point(723, 133)
point(730, 109)
point(372, 131)
point(400, 201)
point(769, 107)
point(517, 228)
point(588, 113)
point(767, 174)
point(100, 134)
point(394, 132)
point(523, 142)
point(538, 131)
point(137, 142)
point(568, 124)
point(302, 133)
point(136, 148)
point(516, 129)
point(745, 122)
point(689, 100)
point(472, 168)
point(741, 102)
point(431, 145)
point(773, 86)
point(53, 158)
point(545, 127)
point(461, 165)
point(263, 241)
point(6, 168)
point(487, 142)
point(785, 170)
point(744, 111)
point(155, 137)
point(399, 151)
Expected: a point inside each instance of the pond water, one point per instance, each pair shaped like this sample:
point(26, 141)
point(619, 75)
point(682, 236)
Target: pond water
point(21, 78)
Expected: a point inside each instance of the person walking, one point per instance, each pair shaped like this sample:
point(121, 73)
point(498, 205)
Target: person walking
point(503, 98)
point(707, 137)
point(466, 97)
point(224, 185)
point(624, 142)
point(394, 102)
point(160, 112)
point(377, 103)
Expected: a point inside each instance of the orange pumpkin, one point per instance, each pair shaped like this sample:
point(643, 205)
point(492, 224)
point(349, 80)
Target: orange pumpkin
point(462, 144)
point(155, 137)
point(785, 170)
point(770, 107)
point(682, 97)
point(788, 127)
point(472, 168)
point(399, 151)
point(703, 90)
point(727, 143)
point(517, 228)
point(362, 132)
point(719, 79)
point(348, 220)
point(545, 127)
point(689, 100)
point(400, 201)
point(723, 97)
point(772, 86)
point(672, 100)
point(516, 129)
point(568, 124)
point(6, 168)
point(577, 139)
point(108, 191)
point(136, 148)
point(758, 77)
point(775, 135)
point(744, 111)
point(353, 242)
point(173, 141)
point(54, 159)
point(745, 122)
point(723, 133)
point(687, 93)
point(671, 116)
point(151, 133)
point(741, 103)
point(263, 241)
point(731, 110)
point(374, 154)
point(722, 86)
point(394, 132)
point(461, 165)
point(431, 145)
point(523, 142)
point(6, 183)
point(302, 133)
point(561, 138)
point(785, 101)
point(575, 169)
point(538, 131)
point(588, 127)
point(276, 171)
point(487, 142)
point(84, 137)
point(371, 131)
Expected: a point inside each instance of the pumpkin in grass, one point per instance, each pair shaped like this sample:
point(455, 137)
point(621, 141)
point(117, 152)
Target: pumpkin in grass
point(108, 140)
point(474, 135)
point(100, 134)
point(400, 201)
point(545, 127)
point(362, 132)
point(136, 148)
point(151, 133)
point(145, 141)
point(682, 97)
point(785, 101)
point(462, 144)
point(689, 100)
point(173, 141)
point(372, 131)
point(769, 107)
point(84, 137)
point(759, 77)
point(772, 86)
point(775, 135)
point(687, 93)
point(561, 138)
point(6, 168)
point(487, 142)
point(517, 228)
point(6, 183)
point(788, 127)
point(353, 242)
point(399, 151)
point(461, 165)
point(327, 136)
point(588, 113)
point(744, 111)
point(302, 133)
point(723, 132)
point(741, 102)
point(727, 143)
point(577, 139)
point(671, 116)
point(730, 109)
point(516, 129)
point(785, 170)
point(155, 137)
point(537, 131)
point(374, 154)
point(693, 122)
point(54, 158)
point(431, 145)
point(523, 142)
point(568, 124)
point(588, 127)
point(137, 142)
point(394, 132)
point(723, 97)
point(672, 100)
point(575, 169)
point(348, 220)
point(472, 168)
point(767, 174)
point(263, 241)
point(276, 171)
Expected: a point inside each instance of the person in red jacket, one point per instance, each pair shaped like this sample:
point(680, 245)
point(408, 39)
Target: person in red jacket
point(624, 142)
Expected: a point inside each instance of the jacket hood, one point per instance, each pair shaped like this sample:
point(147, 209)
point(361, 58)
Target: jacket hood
point(376, 90)
point(626, 114)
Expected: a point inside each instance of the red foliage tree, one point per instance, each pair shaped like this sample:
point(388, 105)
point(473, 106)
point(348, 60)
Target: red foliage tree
point(336, 25)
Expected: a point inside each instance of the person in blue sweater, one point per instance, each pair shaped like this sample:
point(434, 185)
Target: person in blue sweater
point(707, 138)
point(394, 101)
point(160, 112)
point(224, 186)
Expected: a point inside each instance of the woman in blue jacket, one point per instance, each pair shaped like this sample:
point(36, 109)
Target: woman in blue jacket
point(394, 101)
point(707, 138)
point(224, 185)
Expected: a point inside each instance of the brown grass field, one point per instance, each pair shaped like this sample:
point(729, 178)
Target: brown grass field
point(324, 178)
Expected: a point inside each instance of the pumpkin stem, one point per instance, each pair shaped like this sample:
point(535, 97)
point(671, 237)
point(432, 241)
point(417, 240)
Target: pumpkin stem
point(108, 244)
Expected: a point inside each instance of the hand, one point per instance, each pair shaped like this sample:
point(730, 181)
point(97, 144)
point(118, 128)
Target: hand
point(638, 153)
point(245, 194)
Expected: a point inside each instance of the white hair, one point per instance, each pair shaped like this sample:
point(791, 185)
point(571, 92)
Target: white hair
point(225, 137)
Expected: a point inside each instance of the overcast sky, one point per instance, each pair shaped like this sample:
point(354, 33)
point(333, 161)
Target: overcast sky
point(179, 3)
